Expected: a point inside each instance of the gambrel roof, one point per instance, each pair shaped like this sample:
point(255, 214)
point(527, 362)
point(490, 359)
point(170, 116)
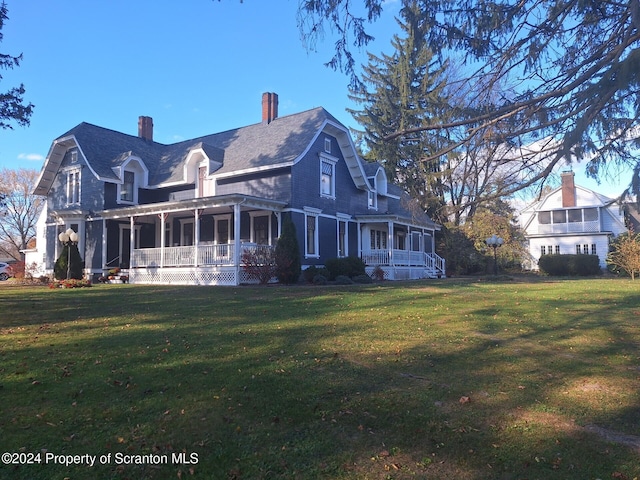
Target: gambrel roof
point(263, 145)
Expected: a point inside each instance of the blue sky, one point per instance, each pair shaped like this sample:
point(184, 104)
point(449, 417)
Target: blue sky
point(197, 67)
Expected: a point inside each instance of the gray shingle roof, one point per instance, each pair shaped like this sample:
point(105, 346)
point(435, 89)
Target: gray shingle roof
point(258, 145)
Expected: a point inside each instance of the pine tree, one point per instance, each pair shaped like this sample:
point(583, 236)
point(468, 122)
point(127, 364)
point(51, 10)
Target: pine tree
point(404, 90)
point(288, 266)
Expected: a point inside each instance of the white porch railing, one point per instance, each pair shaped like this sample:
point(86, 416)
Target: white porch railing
point(404, 258)
point(185, 256)
point(570, 227)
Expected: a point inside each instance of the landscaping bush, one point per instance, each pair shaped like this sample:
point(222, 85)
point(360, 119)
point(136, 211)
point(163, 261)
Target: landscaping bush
point(320, 280)
point(572, 265)
point(347, 266)
point(343, 280)
point(362, 279)
point(310, 273)
point(61, 267)
point(287, 254)
point(259, 263)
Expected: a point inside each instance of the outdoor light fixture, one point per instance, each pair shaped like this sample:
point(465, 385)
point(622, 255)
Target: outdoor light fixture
point(494, 242)
point(67, 238)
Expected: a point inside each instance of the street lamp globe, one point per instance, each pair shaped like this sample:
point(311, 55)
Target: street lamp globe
point(494, 242)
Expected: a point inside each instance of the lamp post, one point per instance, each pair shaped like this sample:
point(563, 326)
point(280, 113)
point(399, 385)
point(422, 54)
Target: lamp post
point(67, 238)
point(494, 242)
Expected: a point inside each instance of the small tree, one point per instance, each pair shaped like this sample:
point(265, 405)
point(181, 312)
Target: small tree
point(625, 254)
point(62, 270)
point(288, 267)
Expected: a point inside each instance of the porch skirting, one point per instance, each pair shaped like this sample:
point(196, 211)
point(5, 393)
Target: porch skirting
point(205, 275)
point(406, 273)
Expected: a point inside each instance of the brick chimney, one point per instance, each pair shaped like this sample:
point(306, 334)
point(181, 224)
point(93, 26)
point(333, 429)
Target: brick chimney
point(568, 190)
point(145, 128)
point(269, 107)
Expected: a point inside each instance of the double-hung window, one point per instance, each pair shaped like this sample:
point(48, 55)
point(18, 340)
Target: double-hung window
point(311, 240)
point(127, 188)
point(327, 176)
point(73, 187)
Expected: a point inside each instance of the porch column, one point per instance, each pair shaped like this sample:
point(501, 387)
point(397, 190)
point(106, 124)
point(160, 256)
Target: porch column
point(196, 234)
point(236, 241)
point(390, 242)
point(163, 235)
point(104, 244)
point(132, 240)
point(279, 219)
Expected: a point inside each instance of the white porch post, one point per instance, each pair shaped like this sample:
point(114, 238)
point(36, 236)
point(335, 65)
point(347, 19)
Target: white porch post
point(279, 219)
point(390, 242)
point(359, 239)
point(163, 235)
point(236, 241)
point(196, 233)
point(132, 240)
point(104, 243)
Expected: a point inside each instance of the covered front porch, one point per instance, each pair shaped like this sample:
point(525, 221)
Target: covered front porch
point(189, 242)
point(402, 249)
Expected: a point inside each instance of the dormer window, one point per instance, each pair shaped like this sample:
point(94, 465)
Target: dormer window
point(133, 176)
point(373, 200)
point(127, 189)
point(327, 176)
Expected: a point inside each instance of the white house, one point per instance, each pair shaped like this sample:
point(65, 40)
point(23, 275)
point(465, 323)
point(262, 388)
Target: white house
point(572, 220)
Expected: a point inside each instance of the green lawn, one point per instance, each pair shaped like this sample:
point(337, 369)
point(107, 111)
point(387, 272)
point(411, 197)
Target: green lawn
point(447, 379)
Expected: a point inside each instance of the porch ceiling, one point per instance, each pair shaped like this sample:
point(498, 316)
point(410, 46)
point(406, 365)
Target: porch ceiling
point(195, 203)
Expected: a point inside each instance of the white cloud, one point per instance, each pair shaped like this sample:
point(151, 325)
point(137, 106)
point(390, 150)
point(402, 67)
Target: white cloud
point(31, 157)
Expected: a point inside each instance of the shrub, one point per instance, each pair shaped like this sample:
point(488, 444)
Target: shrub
point(311, 272)
point(378, 273)
point(61, 268)
point(320, 280)
point(362, 279)
point(347, 266)
point(259, 263)
point(287, 254)
point(343, 280)
point(580, 265)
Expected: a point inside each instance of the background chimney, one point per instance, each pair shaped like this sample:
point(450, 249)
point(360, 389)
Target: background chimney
point(269, 107)
point(568, 190)
point(145, 128)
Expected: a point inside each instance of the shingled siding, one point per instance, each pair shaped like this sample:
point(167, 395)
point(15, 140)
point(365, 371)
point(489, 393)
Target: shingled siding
point(305, 184)
point(91, 189)
point(271, 184)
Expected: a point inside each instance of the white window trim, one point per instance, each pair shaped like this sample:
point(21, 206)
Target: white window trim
point(70, 191)
point(332, 161)
point(183, 222)
point(216, 220)
point(205, 164)
point(372, 200)
point(327, 145)
point(342, 218)
point(252, 233)
point(311, 213)
point(119, 189)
